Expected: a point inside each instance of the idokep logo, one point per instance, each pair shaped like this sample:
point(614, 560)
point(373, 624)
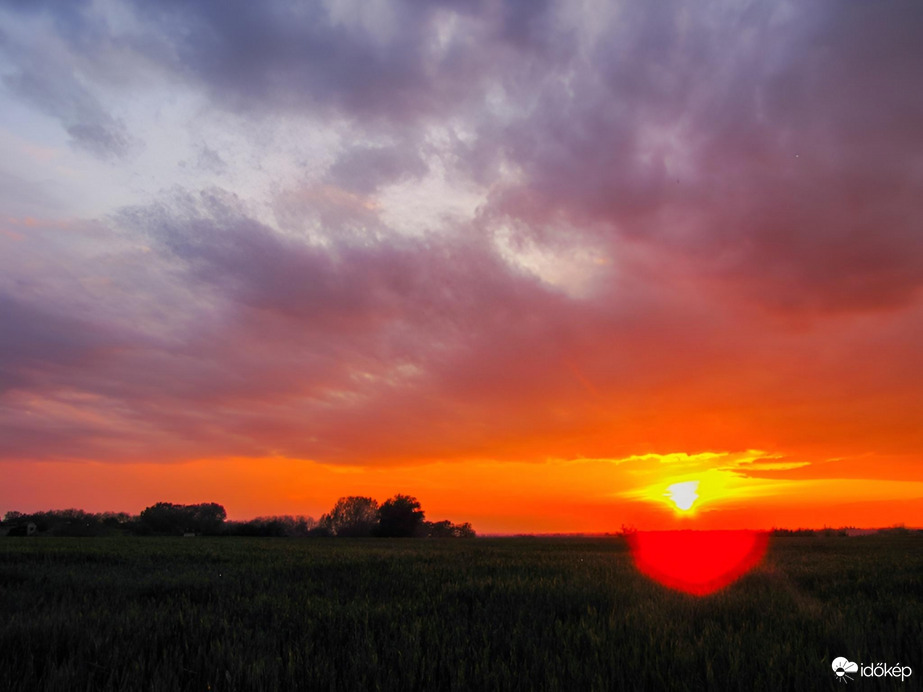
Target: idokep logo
point(842, 667)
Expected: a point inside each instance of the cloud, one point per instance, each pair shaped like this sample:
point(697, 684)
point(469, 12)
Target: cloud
point(36, 343)
point(361, 61)
point(752, 156)
point(210, 161)
point(50, 75)
point(692, 232)
point(364, 169)
point(81, 114)
point(758, 150)
point(19, 196)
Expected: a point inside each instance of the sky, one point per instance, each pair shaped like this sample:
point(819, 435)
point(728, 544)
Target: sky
point(531, 262)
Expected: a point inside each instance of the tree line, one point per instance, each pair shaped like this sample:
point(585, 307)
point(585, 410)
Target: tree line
point(399, 517)
point(353, 516)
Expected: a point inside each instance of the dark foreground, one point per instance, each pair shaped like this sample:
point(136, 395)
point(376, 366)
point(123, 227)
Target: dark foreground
point(481, 614)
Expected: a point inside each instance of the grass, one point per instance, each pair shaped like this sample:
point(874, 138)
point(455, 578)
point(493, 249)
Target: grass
point(483, 614)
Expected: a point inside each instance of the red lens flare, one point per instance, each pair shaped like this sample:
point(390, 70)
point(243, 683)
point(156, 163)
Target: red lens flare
point(697, 562)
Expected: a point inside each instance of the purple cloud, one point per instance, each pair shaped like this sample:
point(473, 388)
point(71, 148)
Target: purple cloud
point(683, 221)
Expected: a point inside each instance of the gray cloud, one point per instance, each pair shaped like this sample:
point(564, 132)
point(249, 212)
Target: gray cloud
point(280, 55)
point(53, 79)
point(364, 169)
point(719, 160)
point(37, 344)
point(771, 153)
point(20, 197)
point(84, 119)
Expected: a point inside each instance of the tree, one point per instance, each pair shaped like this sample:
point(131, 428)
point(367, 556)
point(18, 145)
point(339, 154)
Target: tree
point(440, 529)
point(277, 526)
point(401, 516)
point(465, 530)
point(166, 517)
point(352, 516)
point(163, 517)
point(207, 517)
point(446, 529)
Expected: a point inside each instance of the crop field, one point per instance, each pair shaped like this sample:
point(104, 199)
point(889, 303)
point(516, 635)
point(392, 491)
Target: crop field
point(478, 614)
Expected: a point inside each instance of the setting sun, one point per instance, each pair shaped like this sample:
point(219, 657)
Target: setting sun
point(683, 494)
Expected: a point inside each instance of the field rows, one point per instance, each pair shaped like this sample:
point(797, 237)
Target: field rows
point(483, 614)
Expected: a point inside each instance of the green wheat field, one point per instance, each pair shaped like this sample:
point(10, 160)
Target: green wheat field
point(480, 614)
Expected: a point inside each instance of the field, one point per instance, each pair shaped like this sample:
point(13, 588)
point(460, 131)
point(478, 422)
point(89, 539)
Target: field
point(478, 614)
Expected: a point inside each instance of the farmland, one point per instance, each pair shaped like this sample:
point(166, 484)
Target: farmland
point(484, 614)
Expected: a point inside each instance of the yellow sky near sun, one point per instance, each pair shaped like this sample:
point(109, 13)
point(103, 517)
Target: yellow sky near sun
point(561, 495)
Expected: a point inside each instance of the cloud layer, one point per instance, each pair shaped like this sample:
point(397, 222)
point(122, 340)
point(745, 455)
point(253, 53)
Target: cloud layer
point(392, 233)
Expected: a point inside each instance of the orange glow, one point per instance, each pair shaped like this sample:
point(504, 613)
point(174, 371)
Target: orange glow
point(697, 562)
point(579, 495)
point(554, 308)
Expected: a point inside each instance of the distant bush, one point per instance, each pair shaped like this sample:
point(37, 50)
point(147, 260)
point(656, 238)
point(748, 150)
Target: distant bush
point(281, 526)
point(898, 530)
point(446, 529)
point(67, 522)
point(831, 532)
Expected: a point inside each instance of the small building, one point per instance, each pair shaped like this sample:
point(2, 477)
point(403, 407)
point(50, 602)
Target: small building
point(29, 529)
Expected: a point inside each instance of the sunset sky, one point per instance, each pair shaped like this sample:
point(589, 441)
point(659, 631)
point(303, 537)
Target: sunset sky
point(531, 262)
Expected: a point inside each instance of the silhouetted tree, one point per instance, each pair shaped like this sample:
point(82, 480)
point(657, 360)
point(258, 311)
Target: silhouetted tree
point(352, 516)
point(115, 519)
point(440, 529)
point(281, 526)
point(206, 517)
point(166, 517)
point(71, 522)
point(400, 517)
point(464, 530)
point(446, 529)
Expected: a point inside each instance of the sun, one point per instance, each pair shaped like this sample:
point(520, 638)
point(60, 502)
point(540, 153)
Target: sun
point(683, 495)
